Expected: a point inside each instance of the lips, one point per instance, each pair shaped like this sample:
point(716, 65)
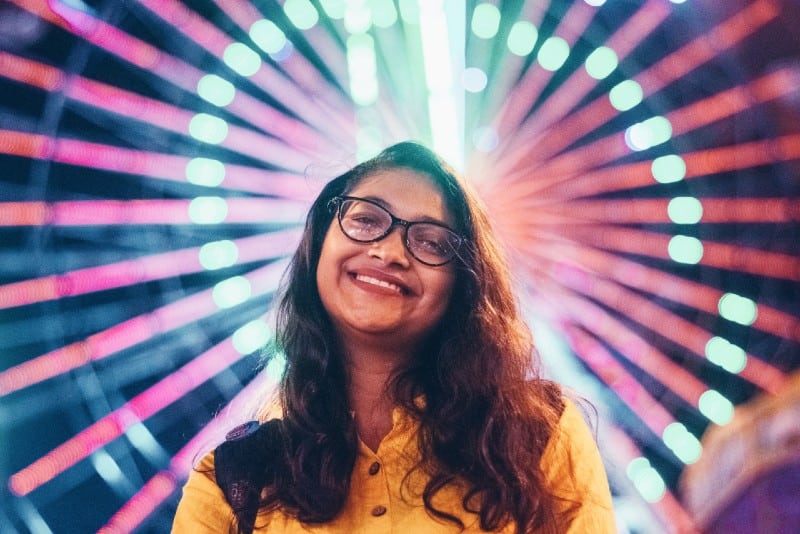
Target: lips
point(381, 282)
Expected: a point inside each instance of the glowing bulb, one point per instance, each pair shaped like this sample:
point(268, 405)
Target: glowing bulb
point(485, 20)
point(668, 169)
point(601, 62)
point(553, 53)
point(685, 249)
point(522, 38)
point(216, 90)
point(685, 210)
point(738, 309)
point(205, 171)
point(626, 95)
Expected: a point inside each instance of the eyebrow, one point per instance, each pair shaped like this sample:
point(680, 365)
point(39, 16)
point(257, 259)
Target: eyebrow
point(388, 207)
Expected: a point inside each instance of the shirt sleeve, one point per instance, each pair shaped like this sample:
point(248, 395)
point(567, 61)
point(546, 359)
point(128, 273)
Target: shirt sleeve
point(203, 508)
point(575, 472)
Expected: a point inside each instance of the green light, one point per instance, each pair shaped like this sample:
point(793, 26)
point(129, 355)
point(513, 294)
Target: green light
point(636, 467)
point(485, 20)
point(668, 169)
point(205, 171)
point(716, 407)
point(409, 11)
point(208, 128)
point(216, 90)
point(208, 210)
point(601, 62)
point(369, 143)
point(648, 133)
point(522, 38)
point(738, 309)
point(357, 17)
point(231, 292)
point(646, 479)
point(682, 442)
point(218, 254)
point(301, 13)
point(276, 366)
point(553, 53)
point(267, 36)
point(722, 352)
point(334, 8)
point(685, 210)
point(685, 249)
point(626, 95)
point(384, 15)
point(362, 68)
point(251, 337)
point(242, 59)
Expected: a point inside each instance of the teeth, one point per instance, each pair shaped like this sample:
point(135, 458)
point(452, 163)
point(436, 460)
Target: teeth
point(375, 281)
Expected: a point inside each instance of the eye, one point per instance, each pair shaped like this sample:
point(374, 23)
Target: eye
point(432, 240)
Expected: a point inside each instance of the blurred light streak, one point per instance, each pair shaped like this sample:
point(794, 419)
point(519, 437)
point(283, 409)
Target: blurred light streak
point(120, 274)
point(667, 324)
point(102, 432)
point(653, 79)
point(700, 163)
point(623, 41)
point(30, 72)
point(529, 87)
point(185, 76)
point(614, 375)
point(655, 210)
point(772, 86)
point(149, 211)
point(711, 43)
point(623, 451)
point(720, 255)
point(575, 164)
point(151, 164)
point(300, 69)
point(165, 482)
point(215, 41)
point(680, 290)
point(133, 331)
point(630, 344)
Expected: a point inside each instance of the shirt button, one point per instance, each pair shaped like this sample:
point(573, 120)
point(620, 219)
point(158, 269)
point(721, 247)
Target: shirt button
point(378, 511)
point(374, 468)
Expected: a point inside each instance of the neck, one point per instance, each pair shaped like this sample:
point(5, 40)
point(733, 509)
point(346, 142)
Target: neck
point(370, 373)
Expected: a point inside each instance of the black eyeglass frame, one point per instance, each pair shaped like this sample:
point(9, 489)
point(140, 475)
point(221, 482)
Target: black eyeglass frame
point(337, 201)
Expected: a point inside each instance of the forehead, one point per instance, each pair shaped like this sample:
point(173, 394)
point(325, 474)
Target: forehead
point(406, 193)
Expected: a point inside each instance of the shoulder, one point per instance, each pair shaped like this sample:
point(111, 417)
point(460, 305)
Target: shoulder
point(574, 470)
point(202, 507)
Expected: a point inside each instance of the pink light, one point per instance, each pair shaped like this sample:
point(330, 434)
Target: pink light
point(109, 276)
point(161, 486)
point(183, 75)
point(163, 393)
point(522, 97)
point(30, 72)
point(153, 211)
point(669, 509)
point(215, 41)
point(614, 375)
point(137, 329)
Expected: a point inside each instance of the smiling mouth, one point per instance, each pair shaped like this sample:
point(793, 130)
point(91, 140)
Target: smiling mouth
point(379, 283)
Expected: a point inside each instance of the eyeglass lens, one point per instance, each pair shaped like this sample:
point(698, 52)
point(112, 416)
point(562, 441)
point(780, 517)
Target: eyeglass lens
point(365, 221)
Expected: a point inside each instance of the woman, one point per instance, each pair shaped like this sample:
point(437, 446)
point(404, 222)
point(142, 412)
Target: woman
point(409, 401)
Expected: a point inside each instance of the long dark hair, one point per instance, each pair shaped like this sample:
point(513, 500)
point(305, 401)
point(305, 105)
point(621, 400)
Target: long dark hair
point(486, 417)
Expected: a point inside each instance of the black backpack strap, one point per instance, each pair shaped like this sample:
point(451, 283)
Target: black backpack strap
point(244, 464)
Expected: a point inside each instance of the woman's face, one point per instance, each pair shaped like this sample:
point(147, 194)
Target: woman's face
point(378, 292)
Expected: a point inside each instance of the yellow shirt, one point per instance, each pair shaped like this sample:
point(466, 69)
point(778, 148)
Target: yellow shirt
point(380, 503)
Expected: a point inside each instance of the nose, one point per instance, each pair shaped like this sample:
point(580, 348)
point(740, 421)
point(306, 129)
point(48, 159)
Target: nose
point(391, 250)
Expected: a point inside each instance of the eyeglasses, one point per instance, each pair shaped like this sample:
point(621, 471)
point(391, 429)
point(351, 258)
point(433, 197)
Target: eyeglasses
point(366, 221)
